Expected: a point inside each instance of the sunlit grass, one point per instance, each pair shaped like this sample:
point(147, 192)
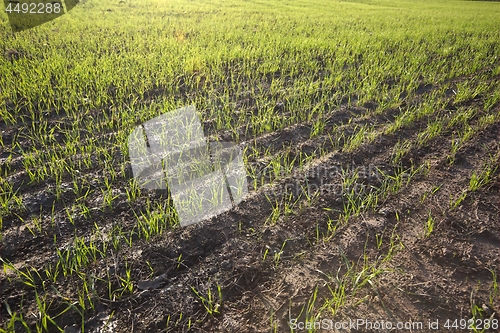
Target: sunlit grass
point(85, 80)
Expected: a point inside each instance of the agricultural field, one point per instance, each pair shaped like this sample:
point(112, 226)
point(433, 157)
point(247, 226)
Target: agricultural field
point(370, 138)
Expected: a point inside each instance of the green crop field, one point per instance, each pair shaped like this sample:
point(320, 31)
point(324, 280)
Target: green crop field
point(370, 137)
